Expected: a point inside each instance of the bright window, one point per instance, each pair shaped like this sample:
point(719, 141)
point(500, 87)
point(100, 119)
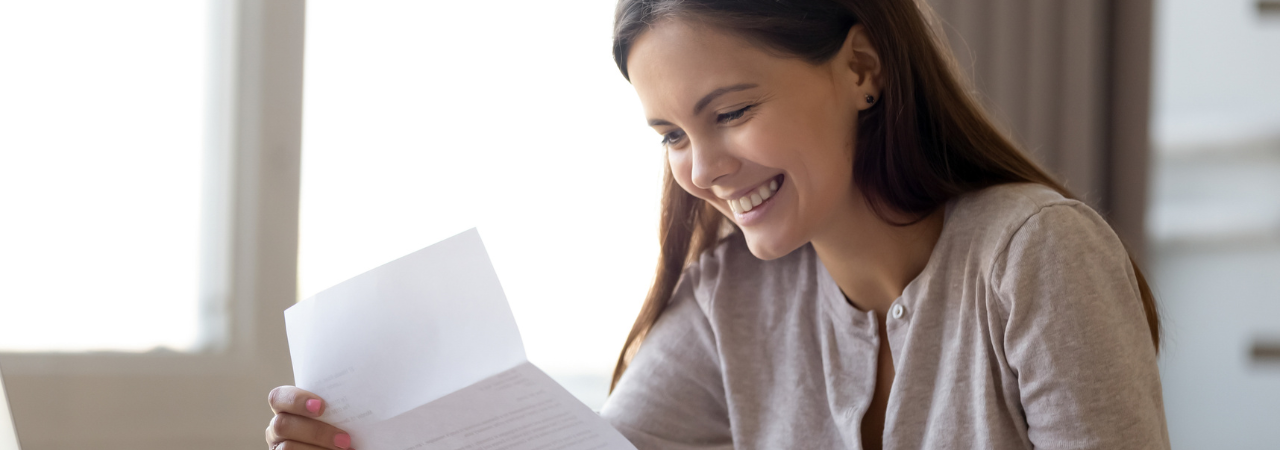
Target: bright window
point(101, 144)
point(422, 119)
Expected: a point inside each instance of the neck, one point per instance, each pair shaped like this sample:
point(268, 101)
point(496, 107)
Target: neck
point(872, 261)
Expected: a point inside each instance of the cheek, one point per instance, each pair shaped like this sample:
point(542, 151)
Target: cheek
point(810, 151)
point(814, 146)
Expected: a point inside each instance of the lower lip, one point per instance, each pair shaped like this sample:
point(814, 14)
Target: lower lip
point(757, 212)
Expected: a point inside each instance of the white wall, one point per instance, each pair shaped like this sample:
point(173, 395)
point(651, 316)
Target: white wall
point(1217, 73)
point(1215, 220)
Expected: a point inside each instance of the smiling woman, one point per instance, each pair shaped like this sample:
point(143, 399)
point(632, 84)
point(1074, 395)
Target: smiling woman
point(773, 131)
point(853, 256)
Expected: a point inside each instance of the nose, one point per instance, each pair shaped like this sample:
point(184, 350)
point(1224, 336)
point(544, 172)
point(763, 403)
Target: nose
point(711, 160)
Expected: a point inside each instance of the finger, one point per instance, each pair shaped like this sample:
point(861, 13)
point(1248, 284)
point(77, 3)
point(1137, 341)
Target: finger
point(289, 399)
point(286, 427)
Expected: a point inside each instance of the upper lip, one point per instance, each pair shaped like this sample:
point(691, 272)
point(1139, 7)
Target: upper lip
point(747, 190)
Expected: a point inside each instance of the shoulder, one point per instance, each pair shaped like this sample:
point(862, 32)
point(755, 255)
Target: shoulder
point(987, 220)
point(1027, 213)
point(1002, 225)
point(1028, 237)
point(1005, 205)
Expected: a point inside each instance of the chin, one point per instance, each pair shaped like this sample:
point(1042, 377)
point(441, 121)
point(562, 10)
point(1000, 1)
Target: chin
point(768, 247)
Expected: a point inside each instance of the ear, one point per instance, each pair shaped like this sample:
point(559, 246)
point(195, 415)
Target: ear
point(858, 67)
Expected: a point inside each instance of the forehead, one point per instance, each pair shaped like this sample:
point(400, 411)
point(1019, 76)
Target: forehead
point(675, 63)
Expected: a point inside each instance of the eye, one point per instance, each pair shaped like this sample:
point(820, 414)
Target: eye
point(672, 138)
point(733, 115)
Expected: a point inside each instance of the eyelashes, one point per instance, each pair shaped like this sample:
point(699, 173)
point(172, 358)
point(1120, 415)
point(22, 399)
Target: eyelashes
point(675, 136)
point(671, 138)
point(733, 115)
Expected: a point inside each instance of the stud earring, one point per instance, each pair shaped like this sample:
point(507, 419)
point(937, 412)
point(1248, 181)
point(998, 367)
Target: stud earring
point(870, 99)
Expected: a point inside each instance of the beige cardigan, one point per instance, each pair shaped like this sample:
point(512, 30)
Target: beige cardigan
point(1025, 330)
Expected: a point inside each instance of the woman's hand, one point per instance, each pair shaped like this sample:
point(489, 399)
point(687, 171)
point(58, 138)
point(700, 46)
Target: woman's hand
point(295, 426)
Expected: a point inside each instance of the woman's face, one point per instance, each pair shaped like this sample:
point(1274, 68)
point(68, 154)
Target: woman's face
point(767, 140)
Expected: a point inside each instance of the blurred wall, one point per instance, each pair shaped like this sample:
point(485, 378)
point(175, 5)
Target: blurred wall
point(1218, 73)
point(1215, 220)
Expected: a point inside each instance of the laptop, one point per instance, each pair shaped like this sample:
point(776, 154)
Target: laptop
point(8, 436)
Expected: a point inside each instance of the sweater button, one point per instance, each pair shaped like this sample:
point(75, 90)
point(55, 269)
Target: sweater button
point(897, 311)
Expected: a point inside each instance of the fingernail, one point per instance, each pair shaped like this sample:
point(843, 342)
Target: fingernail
point(313, 405)
point(342, 440)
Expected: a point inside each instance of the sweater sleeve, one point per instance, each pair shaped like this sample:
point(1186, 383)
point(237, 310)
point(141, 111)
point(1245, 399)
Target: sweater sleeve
point(1076, 336)
point(672, 394)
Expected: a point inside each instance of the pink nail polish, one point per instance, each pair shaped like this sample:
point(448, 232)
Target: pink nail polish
point(313, 405)
point(342, 440)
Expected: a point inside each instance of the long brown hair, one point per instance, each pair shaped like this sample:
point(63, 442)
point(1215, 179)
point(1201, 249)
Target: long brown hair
point(925, 141)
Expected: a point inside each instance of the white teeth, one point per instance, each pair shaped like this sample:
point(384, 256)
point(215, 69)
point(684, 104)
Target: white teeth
point(753, 199)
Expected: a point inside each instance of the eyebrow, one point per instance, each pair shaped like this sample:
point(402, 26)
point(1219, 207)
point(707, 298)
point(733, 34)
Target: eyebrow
point(706, 99)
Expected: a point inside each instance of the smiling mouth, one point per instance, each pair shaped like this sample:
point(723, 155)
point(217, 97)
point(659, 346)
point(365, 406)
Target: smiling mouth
point(756, 197)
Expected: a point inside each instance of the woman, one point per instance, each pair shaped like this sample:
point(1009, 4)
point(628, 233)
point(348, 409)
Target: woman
point(852, 255)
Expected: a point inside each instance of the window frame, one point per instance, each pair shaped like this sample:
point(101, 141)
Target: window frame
point(248, 271)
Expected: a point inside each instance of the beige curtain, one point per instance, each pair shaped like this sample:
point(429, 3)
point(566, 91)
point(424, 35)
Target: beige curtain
point(1070, 81)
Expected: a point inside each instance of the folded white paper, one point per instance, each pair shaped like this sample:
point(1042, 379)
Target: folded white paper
point(423, 353)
